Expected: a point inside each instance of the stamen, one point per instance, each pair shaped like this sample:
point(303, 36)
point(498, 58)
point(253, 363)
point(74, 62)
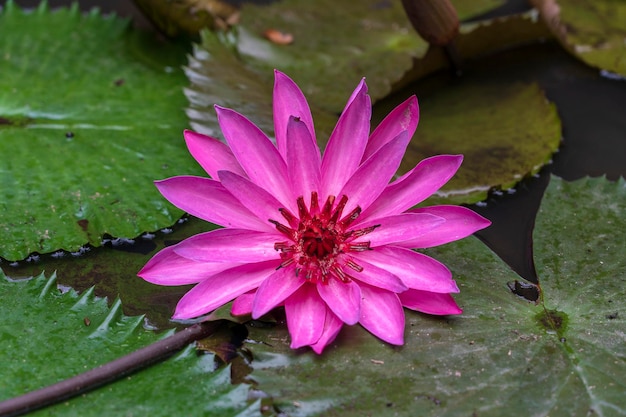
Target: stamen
point(286, 263)
point(354, 265)
point(317, 236)
point(352, 216)
point(364, 231)
point(283, 247)
point(337, 272)
point(302, 211)
point(291, 219)
point(337, 213)
point(315, 205)
point(328, 206)
point(290, 233)
point(359, 246)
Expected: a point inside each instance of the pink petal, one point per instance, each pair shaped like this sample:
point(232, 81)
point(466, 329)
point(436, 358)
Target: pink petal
point(306, 314)
point(371, 178)
point(430, 302)
point(403, 118)
point(289, 101)
point(415, 269)
point(257, 155)
point(242, 305)
point(275, 289)
point(303, 159)
point(250, 195)
point(343, 298)
point(332, 326)
point(208, 200)
point(460, 222)
point(382, 314)
point(211, 154)
point(355, 93)
point(167, 268)
point(347, 142)
point(230, 245)
point(414, 187)
point(400, 228)
point(381, 277)
point(221, 288)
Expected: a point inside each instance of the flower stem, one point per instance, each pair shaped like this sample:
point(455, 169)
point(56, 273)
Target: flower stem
point(106, 373)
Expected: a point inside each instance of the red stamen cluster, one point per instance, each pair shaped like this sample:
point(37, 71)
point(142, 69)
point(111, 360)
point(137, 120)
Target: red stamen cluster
point(316, 238)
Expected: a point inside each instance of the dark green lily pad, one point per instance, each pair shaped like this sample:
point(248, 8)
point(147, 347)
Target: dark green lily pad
point(505, 132)
point(503, 356)
point(91, 114)
point(593, 30)
point(49, 335)
point(326, 58)
point(112, 270)
point(336, 43)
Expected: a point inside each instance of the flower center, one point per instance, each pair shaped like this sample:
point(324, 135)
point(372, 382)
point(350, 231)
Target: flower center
point(319, 239)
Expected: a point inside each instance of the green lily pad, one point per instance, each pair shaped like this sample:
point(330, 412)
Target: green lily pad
point(593, 30)
point(503, 356)
point(505, 132)
point(48, 336)
point(326, 58)
point(336, 43)
point(112, 270)
point(91, 114)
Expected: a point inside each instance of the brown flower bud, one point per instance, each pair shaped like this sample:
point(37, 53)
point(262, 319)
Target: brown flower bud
point(435, 20)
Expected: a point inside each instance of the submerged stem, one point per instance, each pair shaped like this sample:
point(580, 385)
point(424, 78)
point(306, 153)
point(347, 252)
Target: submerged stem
point(106, 373)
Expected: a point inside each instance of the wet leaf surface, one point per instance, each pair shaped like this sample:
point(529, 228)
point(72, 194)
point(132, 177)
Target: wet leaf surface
point(593, 30)
point(326, 59)
point(335, 45)
point(48, 335)
point(503, 354)
point(505, 130)
point(85, 128)
point(112, 269)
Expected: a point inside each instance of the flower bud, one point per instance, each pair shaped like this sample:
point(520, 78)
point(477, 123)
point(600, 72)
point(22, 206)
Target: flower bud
point(435, 20)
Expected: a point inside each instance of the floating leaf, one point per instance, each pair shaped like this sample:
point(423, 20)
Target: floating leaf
point(503, 356)
point(112, 269)
point(593, 30)
point(336, 43)
point(326, 58)
point(48, 336)
point(505, 132)
point(91, 113)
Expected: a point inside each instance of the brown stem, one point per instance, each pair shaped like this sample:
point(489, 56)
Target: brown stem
point(106, 373)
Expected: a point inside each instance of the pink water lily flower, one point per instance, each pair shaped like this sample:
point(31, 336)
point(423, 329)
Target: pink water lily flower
point(326, 236)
